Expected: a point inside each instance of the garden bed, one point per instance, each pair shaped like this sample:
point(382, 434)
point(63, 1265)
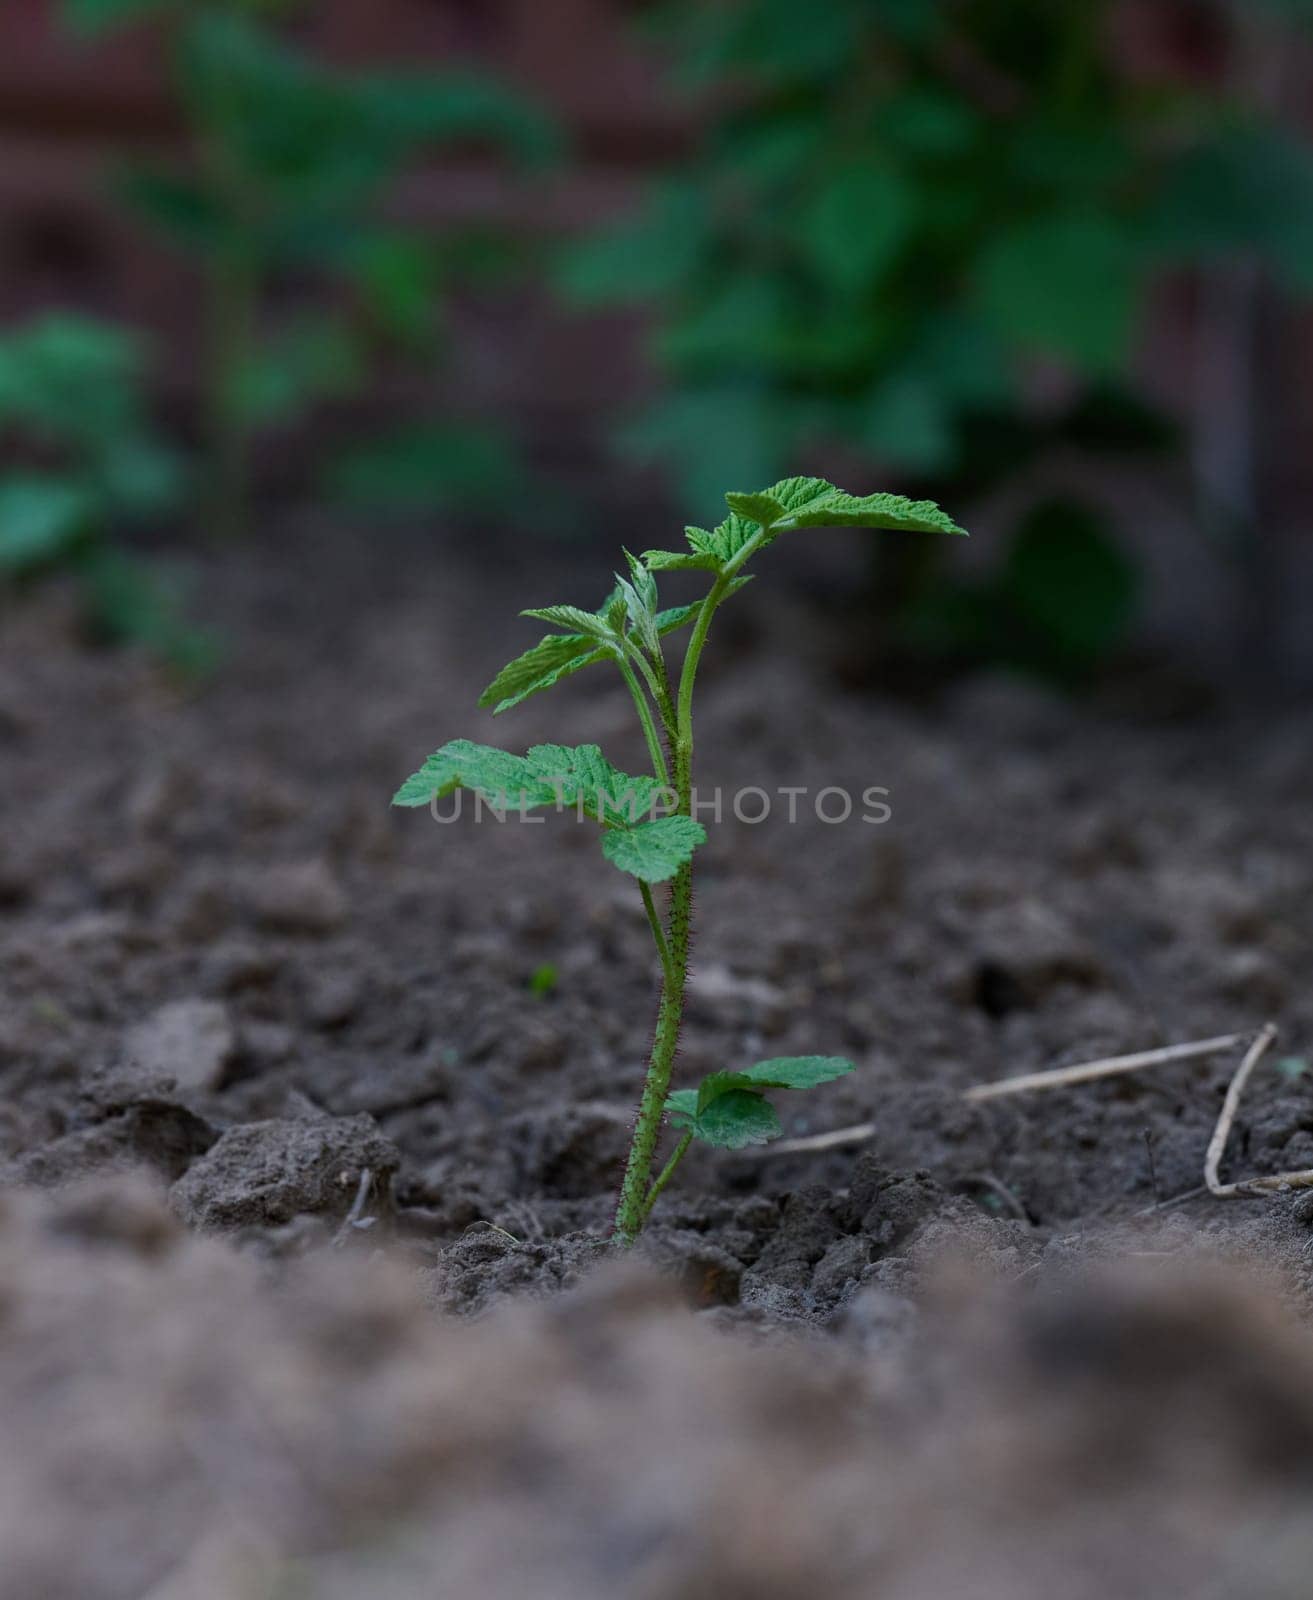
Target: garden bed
point(324, 1029)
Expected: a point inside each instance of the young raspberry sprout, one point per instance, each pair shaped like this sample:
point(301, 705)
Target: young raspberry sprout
point(648, 829)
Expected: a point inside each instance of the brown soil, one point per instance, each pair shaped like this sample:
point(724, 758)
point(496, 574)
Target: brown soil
point(309, 1022)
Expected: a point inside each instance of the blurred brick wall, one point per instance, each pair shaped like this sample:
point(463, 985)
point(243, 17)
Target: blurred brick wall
point(70, 109)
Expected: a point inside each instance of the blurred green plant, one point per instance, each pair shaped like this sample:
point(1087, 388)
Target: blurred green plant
point(924, 234)
point(544, 980)
point(82, 466)
point(284, 197)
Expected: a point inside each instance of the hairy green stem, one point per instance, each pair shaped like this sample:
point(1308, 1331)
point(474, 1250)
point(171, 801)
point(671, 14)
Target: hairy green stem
point(665, 1175)
point(647, 1130)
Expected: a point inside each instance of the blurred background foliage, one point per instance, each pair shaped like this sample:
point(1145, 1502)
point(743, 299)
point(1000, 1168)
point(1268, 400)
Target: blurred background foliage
point(83, 464)
point(927, 235)
point(919, 242)
point(281, 193)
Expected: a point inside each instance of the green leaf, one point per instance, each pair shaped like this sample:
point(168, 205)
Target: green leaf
point(311, 360)
point(652, 848)
point(574, 620)
point(800, 502)
point(716, 1084)
point(677, 561)
point(644, 582)
point(639, 612)
point(427, 467)
point(411, 109)
point(728, 1108)
point(73, 382)
point(398, 276)
point(550, 660)
point(857, 221)
point(1064, 285)
point(839, 510)
point(908, 423)
point(760, 508)
point(40, 518)
point(559, 655)
point(735, 1119)
point(813, 503)
point(641, 259)
point(462, 764)
point(793, 493)
point(797, 1072)
point(128, 601)
point(733, 534)
point(654, 851)
point(682, 1104)
point(581, 776)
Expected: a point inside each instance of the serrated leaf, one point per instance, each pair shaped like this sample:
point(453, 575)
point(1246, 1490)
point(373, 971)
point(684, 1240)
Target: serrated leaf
point(731, 535)
point(581, 776)
point(677, 616)
point(651, 847)
point(799, 491)
point(551, 659)
point(728, 1108)
point(760, 508)
point(639, 613)
point(839, 510)
point(549, 775)
point(559, 655)
point(734, 1119)
point(613, 611)
point(677, 561)
point(644, 583)
point(573, 619)
point(799, 502)
point(654, 851)
point(797, 1072)
point(813, 503)
point(462, 764)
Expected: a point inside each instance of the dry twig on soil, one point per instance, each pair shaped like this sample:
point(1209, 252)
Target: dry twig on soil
point(1109, 1066)
point(1270, 1183)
